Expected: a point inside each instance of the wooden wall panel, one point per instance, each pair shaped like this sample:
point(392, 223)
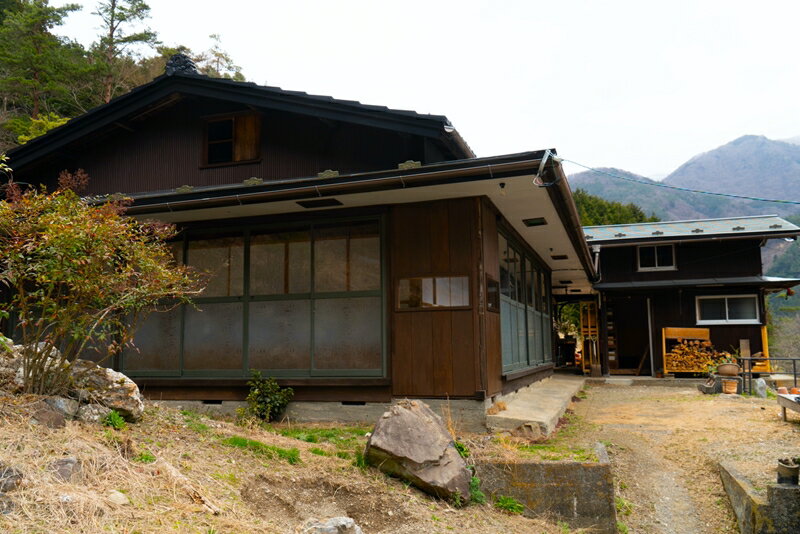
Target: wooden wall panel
point(694, 260)
point(491, 265)
point(435, 352)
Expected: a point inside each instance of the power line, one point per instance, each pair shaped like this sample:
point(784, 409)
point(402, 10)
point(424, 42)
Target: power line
point(674, 187)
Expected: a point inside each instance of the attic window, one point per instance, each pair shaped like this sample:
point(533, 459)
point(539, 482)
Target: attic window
point(233, 139)
point(656, 258)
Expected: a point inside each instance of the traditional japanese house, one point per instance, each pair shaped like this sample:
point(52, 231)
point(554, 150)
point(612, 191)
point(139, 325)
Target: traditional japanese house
point(697, 279)
point(357, 253)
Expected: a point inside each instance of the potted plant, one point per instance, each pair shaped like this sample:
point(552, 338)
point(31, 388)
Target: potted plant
point(727, 366)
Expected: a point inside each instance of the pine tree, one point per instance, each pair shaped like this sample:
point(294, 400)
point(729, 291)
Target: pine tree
point(119, 17)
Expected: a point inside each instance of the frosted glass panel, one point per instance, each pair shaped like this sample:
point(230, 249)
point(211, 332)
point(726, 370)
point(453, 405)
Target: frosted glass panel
point(158, 340)
point(280, 335)
point(330, 260)
point(347, 333)
point(223, 260)
point(280, 263)
point(365, 263)
point(213, 338)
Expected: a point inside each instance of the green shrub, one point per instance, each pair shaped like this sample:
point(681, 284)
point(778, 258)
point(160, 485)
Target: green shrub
point(475, 493)
point(266, 399)
point(508, 504)
point(145, 458)
point(114, 420)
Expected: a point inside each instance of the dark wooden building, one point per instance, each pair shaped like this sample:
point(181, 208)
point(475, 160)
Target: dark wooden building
point(658, 279)
point(356, 253)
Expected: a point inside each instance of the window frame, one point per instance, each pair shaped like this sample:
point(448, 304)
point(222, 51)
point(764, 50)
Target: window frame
point(200, 232)
point(657, 267)
point(399, 308)
point(726, 321)
point(204, 163)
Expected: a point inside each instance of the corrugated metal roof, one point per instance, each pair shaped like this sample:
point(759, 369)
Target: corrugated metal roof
point(696, 229)
point(762, 281)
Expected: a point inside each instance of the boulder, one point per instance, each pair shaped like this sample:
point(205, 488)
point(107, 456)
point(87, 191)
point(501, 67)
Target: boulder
point(760, 388)
point(335, 525)
point(64, 469)
point(92, 413)
point(114, 390)
point(10, 478)
point(411, 442)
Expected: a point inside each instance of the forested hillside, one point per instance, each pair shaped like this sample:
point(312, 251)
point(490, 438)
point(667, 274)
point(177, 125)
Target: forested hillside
point(46, 79)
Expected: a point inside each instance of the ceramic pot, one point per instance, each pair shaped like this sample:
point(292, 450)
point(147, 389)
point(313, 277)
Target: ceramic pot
point(728, 369)
point(730, 387)
point(788, 473)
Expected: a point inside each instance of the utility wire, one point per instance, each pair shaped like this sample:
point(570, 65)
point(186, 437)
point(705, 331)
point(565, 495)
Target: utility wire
point(674, 187)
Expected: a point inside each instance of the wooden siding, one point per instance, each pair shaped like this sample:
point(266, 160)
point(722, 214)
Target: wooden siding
point(676, 309)
point(491, 268)
point(705, 259)
point(165, 150)
point(435, 352)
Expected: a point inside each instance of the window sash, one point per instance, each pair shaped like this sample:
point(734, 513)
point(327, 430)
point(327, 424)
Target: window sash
point(654, 259)
point(726, 307)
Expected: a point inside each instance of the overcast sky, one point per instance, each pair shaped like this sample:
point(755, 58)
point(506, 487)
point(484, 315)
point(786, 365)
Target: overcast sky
point(638, 85)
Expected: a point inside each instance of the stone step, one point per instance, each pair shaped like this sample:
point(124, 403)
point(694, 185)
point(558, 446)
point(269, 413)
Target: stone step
point(536, 409)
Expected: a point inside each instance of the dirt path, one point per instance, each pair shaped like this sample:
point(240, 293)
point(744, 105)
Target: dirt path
point(658, 439)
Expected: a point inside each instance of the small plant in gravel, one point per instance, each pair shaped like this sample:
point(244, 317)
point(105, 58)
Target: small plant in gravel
point(266, 399)
point(563, 526)
point(508, 504)
point(114, 420)
point(622, 528)
point(193, 422)
point(624, 506)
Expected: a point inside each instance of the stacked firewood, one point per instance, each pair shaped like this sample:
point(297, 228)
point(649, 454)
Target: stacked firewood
point(694, 356)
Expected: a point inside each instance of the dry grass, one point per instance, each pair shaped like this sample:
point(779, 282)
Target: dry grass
point(256, 492)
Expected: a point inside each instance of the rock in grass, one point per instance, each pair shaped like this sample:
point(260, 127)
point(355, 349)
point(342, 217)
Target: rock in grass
point(100, 385)
point(64, 469)
point(410, 441)
point(67, 407)
point(117, 497)
point(335, 525)
point(6, 504)
point(10, 478)
point(92, 413)
point(50, 418)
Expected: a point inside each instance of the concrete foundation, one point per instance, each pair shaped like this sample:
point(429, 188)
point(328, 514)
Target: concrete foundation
point(580, 494)
point(778, 513)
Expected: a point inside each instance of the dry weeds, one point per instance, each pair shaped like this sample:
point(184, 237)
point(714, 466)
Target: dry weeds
point(254, 493)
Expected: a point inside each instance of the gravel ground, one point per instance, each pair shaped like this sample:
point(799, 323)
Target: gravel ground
point(665, 444)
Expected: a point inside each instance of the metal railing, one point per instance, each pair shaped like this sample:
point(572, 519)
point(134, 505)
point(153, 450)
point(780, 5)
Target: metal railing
point(748, 364)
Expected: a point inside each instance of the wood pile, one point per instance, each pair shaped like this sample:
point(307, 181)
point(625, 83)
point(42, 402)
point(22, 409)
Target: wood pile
point(694, 356)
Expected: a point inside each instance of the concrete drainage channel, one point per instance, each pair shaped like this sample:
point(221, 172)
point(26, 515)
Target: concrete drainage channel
point(578, 493)
point(778, 513)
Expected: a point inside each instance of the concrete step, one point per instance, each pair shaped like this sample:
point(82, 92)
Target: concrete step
point(536, 409)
